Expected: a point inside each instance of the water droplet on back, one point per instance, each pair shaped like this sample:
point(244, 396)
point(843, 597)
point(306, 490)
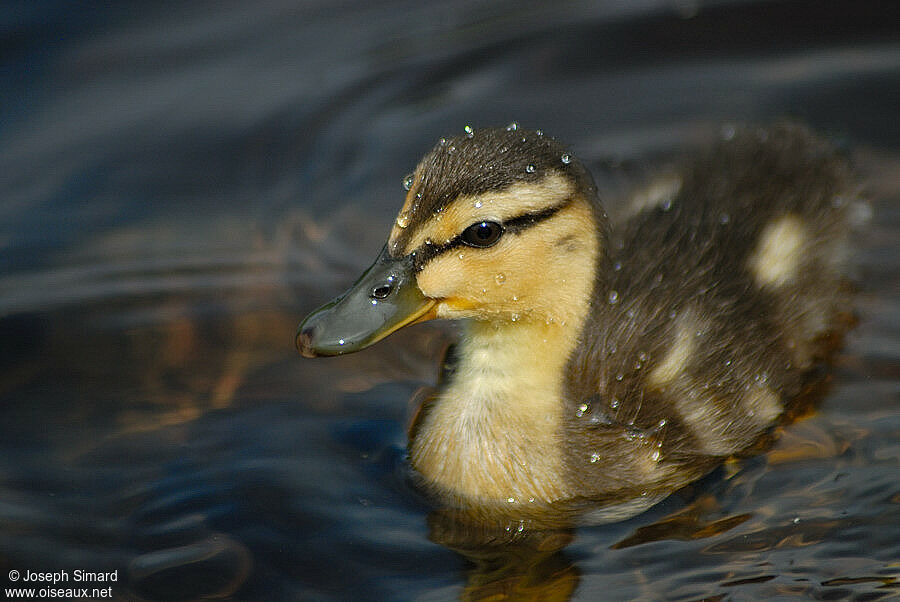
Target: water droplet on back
point(566, 158)
point(530, 168)
point(408, 182)
point(500, 278)
point(512, 127)
point(470, 133)
point(613, 297)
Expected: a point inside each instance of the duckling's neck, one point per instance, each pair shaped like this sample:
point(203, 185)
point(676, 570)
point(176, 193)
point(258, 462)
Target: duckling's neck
point(493, 434)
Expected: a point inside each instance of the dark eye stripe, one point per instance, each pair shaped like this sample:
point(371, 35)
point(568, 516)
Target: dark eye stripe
point(427, 252)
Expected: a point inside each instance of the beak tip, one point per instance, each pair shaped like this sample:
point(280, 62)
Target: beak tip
point(304, 343)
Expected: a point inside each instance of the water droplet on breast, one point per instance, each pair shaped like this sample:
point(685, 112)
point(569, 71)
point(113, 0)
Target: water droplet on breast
point(620, 376)
point(581, 410)
point(512, 127)
point(566, 158)
point(613, 297)
point(514, 317)
point(500, 278)
point(595, 457)
point(470, 133)
point(614, 403)
point(408, 182)
point(403, 220)
point(530, 168)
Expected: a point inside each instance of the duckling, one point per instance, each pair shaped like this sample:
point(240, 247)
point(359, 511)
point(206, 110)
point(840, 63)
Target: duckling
point(597, 361)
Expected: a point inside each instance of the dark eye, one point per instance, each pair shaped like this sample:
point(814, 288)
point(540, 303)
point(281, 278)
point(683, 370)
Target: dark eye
point(382, 292)
point(482, 234)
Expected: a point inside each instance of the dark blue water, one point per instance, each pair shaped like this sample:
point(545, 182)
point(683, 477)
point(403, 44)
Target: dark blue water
point(181, 182)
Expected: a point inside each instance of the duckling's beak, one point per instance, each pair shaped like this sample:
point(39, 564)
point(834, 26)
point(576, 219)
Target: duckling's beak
point(384, 299)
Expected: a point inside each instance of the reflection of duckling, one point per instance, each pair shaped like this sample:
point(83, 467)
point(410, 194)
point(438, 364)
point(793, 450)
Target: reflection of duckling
point(596, 363)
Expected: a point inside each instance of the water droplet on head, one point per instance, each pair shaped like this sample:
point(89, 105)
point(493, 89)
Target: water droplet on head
point(500, 278)
point(470, 133)
point(341, 341)
point(451, 149)
point(666, 204)
point(511, 500)
point(443, 141)
point(581, 410)
point(620, 376)
point(514, 317)
point(530, 168)
point(408, 182)
point(403, 220)
point(614, 403)
point(595, 457)
point(512, 127)
point(428, 242)
point(539, 132)
point(477, 204)
point(460, 255)
point(613, 297)
point(566, 158)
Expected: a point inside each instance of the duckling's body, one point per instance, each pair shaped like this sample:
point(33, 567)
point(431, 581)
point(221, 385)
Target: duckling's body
point(604, 363)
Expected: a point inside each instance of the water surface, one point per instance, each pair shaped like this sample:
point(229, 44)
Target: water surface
point(182, 182)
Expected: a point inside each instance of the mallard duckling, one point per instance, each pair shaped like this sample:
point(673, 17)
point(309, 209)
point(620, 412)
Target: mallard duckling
point(602, 363)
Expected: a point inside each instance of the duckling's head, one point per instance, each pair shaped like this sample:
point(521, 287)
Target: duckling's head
point(498, 225)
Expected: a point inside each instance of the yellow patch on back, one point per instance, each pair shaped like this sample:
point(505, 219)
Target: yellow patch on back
point(778, 253)
point(762, 404)
point(674, 362)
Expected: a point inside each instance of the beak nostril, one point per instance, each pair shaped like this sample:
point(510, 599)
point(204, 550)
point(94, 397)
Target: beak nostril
point(381, 292)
